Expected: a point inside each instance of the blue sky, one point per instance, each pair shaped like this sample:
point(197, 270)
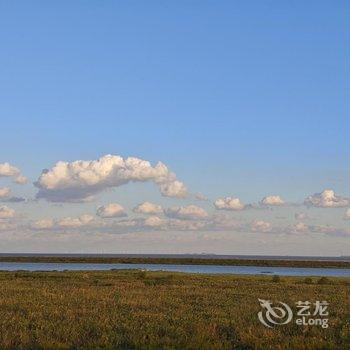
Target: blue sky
point(238, 98)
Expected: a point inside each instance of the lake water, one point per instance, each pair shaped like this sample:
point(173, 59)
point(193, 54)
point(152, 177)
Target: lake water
point(215, 269)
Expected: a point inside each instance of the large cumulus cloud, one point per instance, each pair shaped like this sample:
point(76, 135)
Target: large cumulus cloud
point(327, 199)
point(79, 180)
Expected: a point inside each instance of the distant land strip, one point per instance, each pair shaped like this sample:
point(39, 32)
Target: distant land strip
point(175, 261)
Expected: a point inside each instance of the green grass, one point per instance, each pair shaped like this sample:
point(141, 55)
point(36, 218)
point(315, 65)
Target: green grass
point(156, 310)
point(177, 260)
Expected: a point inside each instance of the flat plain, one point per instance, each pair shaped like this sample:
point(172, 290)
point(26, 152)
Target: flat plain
point(157, 310)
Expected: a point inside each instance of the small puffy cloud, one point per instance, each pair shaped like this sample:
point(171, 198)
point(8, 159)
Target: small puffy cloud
point(327, 199)
point(4, 192)
point(172, 188)
point(200, 197)
point(272, 201)
point(5, 196)
point(21, 180)
point(7, 225)
point(148, 208)
point(86, 219)
point(347, 215)
point(190, 212)
point(112, 210)
point(299, 227)
point(330, 230)
point(301, 216)
point(80, 180)
point(154, 221)
point(187, 225)
point(229, 203)
point(43, 224)
point(261, 226)
point(70, 222)
point(213, 223)
point(8, 170)
point(222, 222)
point(6, 212)
point(127, 223)
point(302, 228)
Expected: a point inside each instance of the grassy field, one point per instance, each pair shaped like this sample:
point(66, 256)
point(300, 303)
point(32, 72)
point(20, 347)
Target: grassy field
point(156, 310)
point(180, 261)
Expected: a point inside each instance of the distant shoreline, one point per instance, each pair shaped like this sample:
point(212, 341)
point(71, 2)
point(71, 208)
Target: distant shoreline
point(321, 262)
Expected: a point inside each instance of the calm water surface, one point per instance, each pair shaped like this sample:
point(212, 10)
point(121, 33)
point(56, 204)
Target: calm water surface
point(216, 269)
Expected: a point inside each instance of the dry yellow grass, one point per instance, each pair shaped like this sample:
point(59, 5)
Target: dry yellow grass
point(155, 310)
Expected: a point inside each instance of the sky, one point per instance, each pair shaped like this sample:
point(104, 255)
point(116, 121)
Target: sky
point(245, 104)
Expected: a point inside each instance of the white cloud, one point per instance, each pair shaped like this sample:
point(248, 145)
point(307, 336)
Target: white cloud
point(302, 228)
point(127, 223)
point(301, 216)
point(148, 208)
point(347, 214)
point(261, 226)
point(200, 197)
point(6, 212)
point(298, 228)
point(8, 170)
point(329, 230)
point(172, 188)
point(4, 192)
point(190, 212)
point(229, 203)
point(154, 221)
point(187, 225)
point(327, 199)
point(79, 180)
point(70, 222)
point(211, 224)
point(86, 219)
point(5, 196)
point(112, 210)
point(6, 225)
point(21, 180)
point(43, 224)
point(272, 201)
point(223, 222)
